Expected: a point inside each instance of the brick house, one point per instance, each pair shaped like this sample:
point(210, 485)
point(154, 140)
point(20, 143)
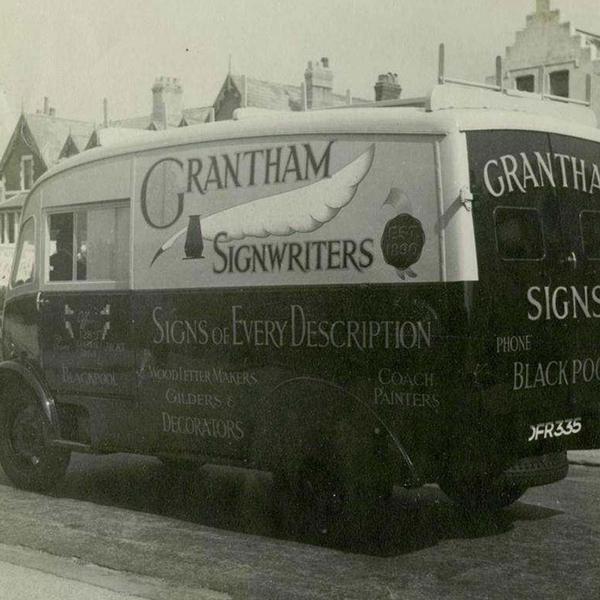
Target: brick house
point(316, 91)
point(37, 142)
point(167, 110)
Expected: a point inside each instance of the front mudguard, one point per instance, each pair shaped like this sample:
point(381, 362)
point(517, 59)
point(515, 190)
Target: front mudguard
point(21, 373)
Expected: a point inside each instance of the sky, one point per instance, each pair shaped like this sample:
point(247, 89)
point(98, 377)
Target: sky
point(77, 52)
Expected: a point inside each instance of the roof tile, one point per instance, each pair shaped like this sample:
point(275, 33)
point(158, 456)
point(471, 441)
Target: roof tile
point(51, 132)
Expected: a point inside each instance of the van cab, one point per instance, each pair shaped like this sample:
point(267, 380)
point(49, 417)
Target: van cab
point(351, 299)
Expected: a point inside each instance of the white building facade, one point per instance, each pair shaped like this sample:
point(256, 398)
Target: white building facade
point(555, 58)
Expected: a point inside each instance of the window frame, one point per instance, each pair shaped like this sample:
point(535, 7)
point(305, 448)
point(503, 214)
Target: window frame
point(26, 158)
point(105, 284)
point(17, 256)
point(541, 221)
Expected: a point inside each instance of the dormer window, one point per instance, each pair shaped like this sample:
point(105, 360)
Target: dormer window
point(525, 83)
point(26, 172)
point(559, 83)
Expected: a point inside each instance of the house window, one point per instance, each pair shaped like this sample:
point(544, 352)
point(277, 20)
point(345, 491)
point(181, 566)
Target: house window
point(8, 227)
point(89, 244)
point(11, 225)
point(525, 83)
point(26, 172)
point(559, 83)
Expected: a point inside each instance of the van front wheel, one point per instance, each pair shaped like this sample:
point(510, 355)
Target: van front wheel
point(25, 456)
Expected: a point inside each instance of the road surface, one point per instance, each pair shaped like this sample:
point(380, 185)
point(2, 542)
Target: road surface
point(127, 527)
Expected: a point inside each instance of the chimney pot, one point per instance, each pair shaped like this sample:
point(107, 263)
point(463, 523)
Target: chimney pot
point(46, 105)
point(318, 80)
point(387, 87)
point(542, 6)
point(167, 101)
point(105, 111)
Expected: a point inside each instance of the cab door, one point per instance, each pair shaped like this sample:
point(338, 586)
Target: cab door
point(19, 325)
point(85, 313)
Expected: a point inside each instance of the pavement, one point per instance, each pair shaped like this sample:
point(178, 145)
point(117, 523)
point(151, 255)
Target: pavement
point(51, 577)
point(588, 458)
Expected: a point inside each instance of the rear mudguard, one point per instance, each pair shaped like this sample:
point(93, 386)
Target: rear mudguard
point(304, 413)
point(12, 370)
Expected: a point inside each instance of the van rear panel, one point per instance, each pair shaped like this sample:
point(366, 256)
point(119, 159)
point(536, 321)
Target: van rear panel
point(536, 309)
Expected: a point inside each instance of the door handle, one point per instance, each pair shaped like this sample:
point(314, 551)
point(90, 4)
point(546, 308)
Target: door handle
point(570, 259)
point(41, 301)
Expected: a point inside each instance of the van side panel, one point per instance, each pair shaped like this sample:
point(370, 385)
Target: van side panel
point(269, 260)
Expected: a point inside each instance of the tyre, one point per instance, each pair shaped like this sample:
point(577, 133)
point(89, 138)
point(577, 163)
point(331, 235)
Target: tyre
point(494, 494)
point(329, 499)
point(308, 502)
point(25, 456)
point(482, 495)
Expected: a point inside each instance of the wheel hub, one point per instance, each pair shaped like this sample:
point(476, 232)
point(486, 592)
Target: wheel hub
point(27, 436)
point(324, 499)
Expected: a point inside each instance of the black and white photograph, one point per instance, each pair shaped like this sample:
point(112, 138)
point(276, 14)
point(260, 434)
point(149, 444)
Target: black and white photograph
point(298, 300)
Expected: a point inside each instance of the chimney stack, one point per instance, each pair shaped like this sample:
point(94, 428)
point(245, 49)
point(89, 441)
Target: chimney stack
point(319, 84)
point(542, 6)
point(167, 102)
point(52, 111)
point(46, 105)
point(387, 87)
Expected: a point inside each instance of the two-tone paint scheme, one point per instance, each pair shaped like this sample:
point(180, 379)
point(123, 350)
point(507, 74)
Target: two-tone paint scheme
point(278, 277)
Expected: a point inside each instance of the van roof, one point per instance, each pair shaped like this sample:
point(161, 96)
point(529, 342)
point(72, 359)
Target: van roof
point(448, 112)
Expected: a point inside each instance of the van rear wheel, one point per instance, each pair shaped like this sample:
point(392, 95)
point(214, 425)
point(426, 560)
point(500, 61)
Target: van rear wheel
point(482, 495)
point(328, 500)
point(25, 456)
point(308, 501)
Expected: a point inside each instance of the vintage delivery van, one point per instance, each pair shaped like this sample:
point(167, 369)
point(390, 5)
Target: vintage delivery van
point(349, 298)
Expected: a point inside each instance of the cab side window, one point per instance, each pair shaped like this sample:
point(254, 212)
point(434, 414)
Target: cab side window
point(519, 233)
point(25, 263)
point(61, 247)
point(89, 244)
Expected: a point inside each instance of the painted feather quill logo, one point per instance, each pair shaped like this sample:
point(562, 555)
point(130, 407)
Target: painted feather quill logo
point(301, 210)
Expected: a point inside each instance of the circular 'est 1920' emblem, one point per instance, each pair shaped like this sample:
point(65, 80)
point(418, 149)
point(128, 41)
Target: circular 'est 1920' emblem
point(402, 243)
